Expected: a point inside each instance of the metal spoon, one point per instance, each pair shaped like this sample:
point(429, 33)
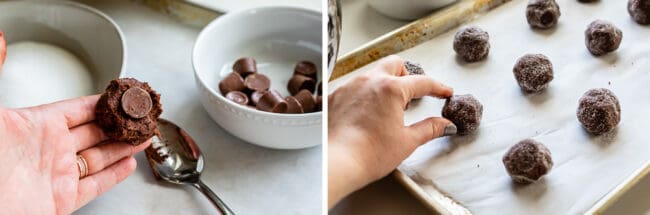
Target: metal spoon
point(174, 157)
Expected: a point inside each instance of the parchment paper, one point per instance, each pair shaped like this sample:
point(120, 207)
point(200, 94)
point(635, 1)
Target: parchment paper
point(469, 169)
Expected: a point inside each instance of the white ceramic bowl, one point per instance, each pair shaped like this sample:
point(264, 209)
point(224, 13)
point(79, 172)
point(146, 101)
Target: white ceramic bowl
point(407, 9)
point(278, 38)
point(84, 31)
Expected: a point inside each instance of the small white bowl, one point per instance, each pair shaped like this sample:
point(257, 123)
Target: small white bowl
point(408, 9)
point(278, 38)
point(84, 31)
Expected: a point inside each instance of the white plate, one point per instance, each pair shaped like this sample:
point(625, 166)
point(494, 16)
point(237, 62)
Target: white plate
point(232, 5)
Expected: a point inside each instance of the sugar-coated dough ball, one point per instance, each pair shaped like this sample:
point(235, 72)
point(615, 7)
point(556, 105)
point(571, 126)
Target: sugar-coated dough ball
point(527, 161)
point(533, 72)
point(464, 111)
point(414, 68)
point(602, 37)
point(599, 111)
point(542, 13)
point(639, 11)
point(472, 44)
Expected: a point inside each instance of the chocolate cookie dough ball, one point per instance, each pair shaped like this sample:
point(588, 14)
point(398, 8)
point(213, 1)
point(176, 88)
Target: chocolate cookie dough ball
point(527, 161)
point(602, 37)
point(413, 68)
point(464, 111)
point(533, 72)
point(599, 111)
point(472, 44)
point(128, 111)
point(542, 13)
point(639, 11)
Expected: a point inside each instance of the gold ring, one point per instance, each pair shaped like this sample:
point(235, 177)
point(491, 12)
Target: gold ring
point(83, 166)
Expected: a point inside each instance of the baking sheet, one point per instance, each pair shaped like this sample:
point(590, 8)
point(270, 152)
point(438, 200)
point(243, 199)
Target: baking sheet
point(469, 168)
point(413, 34)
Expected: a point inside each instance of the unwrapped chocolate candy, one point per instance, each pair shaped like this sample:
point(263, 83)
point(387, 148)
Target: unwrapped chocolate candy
point(293, 105)
point(307, 101)
point(257, 82)
point(232, 82)
point(301, 82)
point(306, 68)
point(237, 97)
point(272, 102)
point(245, 66)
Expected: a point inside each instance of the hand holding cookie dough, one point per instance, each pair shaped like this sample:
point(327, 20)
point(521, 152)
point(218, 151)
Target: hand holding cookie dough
point(55, 158)
point(367, 135)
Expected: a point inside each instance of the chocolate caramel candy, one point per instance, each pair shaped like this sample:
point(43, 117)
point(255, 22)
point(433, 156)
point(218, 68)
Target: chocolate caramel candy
point(257, 82)
point(272, 102)
point(136, 102)
point(306, 99)
point(255, 97)
point(245, 66)
point(232, 82)
point(293, 105)
point(237, 97)
point(306, 68)
point(301, 82)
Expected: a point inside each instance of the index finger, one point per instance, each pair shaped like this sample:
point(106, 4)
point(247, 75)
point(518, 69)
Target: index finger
point(77, 111)
point(418, 86)
point(392, 65)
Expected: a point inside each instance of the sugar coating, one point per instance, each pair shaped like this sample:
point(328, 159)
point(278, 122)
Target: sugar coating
point(599, 111)
point(527, 161)
point(639, 11)
point(602, 37)
point(472, 44)
point(37, 73)
point(542, 14)
point(464, 111)
point(533, 72)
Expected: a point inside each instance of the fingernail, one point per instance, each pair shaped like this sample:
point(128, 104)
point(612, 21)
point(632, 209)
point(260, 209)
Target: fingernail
point(450, 130)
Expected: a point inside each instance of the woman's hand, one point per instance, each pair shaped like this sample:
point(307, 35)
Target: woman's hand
point(38, 152)
point(367, 136)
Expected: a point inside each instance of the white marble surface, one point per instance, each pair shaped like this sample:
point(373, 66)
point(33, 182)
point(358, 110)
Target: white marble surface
point(251, 179)
point(631, 203)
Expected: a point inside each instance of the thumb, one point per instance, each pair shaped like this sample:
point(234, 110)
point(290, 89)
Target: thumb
point(431, 128)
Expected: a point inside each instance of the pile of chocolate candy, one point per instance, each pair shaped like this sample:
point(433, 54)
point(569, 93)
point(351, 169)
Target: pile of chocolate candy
point(245, 86)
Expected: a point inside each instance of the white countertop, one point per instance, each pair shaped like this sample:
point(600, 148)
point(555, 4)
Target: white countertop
point(250, 179)
point(362, 24)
